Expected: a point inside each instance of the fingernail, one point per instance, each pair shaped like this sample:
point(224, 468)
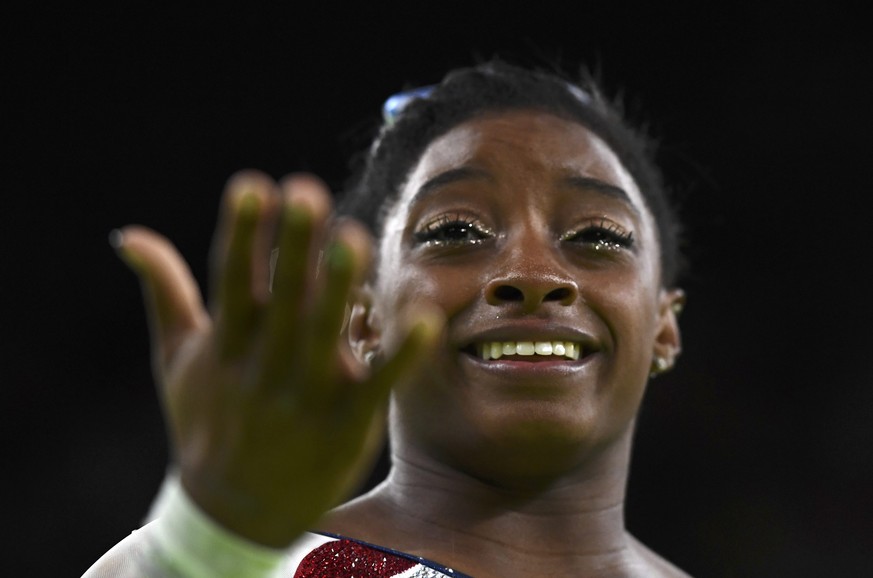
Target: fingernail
point(247, 202)
point(116, 239)
point(339, 257)
point(297, 215)
point(428, 326)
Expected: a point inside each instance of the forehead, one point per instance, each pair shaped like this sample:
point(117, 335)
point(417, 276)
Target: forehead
point(521, 145)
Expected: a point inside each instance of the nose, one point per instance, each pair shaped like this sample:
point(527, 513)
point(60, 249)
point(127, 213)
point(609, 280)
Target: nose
point(532, 287)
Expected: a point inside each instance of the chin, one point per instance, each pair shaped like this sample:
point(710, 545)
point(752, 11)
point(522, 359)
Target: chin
point(521, 470)
point(530, 452)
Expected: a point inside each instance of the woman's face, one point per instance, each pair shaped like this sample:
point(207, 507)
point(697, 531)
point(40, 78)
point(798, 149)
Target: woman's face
point(532, 238)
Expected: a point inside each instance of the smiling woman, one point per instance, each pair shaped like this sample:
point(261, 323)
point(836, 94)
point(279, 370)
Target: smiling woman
point(547, 256)
point(518, 294)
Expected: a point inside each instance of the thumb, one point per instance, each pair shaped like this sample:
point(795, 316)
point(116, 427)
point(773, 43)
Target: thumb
point(174, 305)
point(426, 325)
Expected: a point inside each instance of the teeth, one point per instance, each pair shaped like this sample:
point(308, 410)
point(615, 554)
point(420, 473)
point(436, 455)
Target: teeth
point(497, 349)
point(525, 348)
point(543, 347)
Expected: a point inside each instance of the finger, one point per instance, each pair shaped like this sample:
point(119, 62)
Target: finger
point(264, 246)
point(233, 256)
point(306, 207)
point(412, 354)
point(344, 265)
point(174, 306)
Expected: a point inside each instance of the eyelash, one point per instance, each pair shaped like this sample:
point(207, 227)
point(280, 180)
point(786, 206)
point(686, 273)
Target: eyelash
point(438, 231)
point(602, 234)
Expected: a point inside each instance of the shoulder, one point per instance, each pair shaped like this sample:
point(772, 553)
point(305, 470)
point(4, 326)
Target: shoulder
point(655, 565)
point(126, 558)
point(313, 555)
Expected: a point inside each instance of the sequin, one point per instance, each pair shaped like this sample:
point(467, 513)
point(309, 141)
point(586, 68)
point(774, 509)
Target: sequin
point(349, 559)
point(424, 572)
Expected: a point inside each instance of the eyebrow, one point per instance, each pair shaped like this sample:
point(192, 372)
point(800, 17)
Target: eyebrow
point(465, 173)
point(448, 177)
point(599, 186)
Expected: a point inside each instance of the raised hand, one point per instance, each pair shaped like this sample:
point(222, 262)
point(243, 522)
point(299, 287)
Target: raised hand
point(271, 418)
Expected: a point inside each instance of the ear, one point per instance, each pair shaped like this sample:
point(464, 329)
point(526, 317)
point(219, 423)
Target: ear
point(668, 340)
point(365, 325)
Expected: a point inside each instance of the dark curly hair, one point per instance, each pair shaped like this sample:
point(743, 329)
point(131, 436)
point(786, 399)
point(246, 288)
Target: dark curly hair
point(492, 87)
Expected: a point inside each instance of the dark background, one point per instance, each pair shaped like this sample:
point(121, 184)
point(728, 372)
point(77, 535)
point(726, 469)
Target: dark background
point(753, 457)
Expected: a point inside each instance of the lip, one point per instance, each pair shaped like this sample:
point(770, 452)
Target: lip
point(532, 330)
point(534, 366)
point(538, 373)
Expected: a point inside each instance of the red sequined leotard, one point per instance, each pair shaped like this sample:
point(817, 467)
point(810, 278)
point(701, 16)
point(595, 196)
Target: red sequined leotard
point(338, 557)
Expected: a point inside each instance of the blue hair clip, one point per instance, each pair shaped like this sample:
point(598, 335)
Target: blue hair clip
point(396, 103)
point(580, 94)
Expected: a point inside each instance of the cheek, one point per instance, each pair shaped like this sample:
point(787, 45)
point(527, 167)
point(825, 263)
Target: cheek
point(448, 288)
point(405, 286)
point(628, 305)
point(629, 309)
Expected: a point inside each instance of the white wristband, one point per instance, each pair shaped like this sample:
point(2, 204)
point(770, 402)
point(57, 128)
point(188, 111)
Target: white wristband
point(187, 543)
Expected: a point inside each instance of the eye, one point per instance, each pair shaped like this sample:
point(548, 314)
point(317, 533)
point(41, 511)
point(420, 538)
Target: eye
point(452, 230)
point(601, 235)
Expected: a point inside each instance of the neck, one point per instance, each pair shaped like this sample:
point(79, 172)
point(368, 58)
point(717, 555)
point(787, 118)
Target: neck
point(573, 520)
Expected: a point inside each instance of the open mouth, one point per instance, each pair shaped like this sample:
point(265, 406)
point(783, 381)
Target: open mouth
point(526, 350)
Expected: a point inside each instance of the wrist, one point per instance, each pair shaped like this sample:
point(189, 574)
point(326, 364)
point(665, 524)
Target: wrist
point(265, 521)
point(187, 542)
